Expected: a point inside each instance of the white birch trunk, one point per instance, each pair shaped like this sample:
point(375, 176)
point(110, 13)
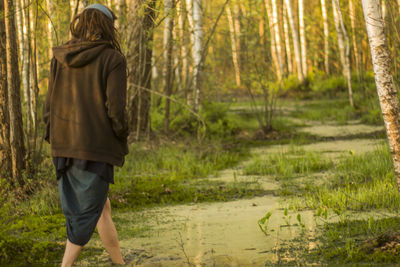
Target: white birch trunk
point(326, 35)
point(189, 85)
point(354, 37)
point(273, 42)
point(344, 46)
point(233, 45)
point(277, 35)
point(387, 92)
point(238, 32)
point(197, 51)
point(183, 51)
point(287, 42)
point(295, 38)
point(303, 43)
point(26, 64)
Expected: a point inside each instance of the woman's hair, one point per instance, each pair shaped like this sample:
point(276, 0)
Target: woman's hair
point(92, 24)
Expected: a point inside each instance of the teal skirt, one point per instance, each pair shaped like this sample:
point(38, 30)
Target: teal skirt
point(82, 195)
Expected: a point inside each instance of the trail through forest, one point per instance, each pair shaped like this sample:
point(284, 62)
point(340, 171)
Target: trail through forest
point(227, 233)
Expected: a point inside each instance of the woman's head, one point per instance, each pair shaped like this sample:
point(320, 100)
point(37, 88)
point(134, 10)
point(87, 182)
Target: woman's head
point(95, 22)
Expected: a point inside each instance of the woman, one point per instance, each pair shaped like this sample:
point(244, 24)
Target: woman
point(86, 127)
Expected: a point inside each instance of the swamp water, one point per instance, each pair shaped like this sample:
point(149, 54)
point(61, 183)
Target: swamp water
point(227, 233)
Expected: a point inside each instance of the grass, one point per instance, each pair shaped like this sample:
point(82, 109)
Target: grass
point(291, 164)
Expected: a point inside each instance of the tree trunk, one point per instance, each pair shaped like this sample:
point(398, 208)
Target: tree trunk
point(233, 45)
point(183, 50)
point(387, 92)
point(189, 90)
point(197, 51)
point(344, 46)
point(326, 35)
point(354, 39)
point(261, 26)
point(274, 54)
point(287, 42)
point(139, 59)
point(14, 99)
point(238, 32)
point(277, 35)
point(295, 37)
point(167, 56)
point(5, 153)
point(303, 43)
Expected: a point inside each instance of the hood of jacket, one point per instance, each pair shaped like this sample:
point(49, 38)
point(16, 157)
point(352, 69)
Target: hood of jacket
point(77, 53)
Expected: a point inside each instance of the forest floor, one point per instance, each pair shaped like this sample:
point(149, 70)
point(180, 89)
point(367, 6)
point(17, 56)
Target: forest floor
point(280, 227)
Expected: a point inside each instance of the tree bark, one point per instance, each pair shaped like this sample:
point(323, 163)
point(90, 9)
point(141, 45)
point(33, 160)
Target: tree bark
point(14, 99)
point(274, 54)
point(303, 43)
point(354, 37)
point(287, 42)
point(326, 35)
point(277, 35)
point(5, 152)
point(167, 56)
point(344, 46)
point(197, 51)
point(139, 59)
point(295, 37)
point(235, 58)
point(183, 50)
point(387, 92)
point(189, 87)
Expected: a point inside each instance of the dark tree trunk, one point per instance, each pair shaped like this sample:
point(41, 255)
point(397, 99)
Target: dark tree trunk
point(139, 64)
point(5, 153)
point(14, 98)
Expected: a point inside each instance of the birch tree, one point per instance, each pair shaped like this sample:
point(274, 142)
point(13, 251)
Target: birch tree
point(287, 42)
point(277, 34)
point(295, 38)
point(354, 36)
point(14, 99)
point(344, 46)
point(387, 92)
point(303, 43)
point(326, 35)
point(167, 56)
point(274, 54)
point(197, 51)
point(180, 8)
point(5, 153)
point(235, 57)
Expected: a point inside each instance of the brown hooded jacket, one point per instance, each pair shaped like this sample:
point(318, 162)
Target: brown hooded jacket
point(85, 104)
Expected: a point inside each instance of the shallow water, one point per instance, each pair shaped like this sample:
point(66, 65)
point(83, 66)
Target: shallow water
point(227, 233)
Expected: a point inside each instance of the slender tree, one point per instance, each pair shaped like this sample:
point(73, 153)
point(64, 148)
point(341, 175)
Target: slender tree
point(344, 46)
point(14, 99)
point(287, 42)
point(139, 59)
point(354, 36)
point(387, 92)
point(277, 34)
point(326, 35)
point(295, 38)
point(5, 153)
point(235, 57)
point(197, 51)
point(167, 56)
point(274, 53)
point(303, 43)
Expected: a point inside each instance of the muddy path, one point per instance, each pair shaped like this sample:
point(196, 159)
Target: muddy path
point(227, 233)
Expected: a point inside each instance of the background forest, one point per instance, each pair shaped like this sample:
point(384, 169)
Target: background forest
point(207, 81)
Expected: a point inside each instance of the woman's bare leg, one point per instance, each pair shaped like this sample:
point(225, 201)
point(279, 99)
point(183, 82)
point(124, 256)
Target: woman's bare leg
point(108, 234)
point(71, 253)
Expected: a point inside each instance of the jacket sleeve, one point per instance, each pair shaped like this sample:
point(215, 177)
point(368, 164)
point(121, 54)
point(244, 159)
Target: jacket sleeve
point(46, 107)
point(116, 100)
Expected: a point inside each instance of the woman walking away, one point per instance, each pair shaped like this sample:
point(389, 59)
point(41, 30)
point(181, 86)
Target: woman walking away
point(86, 127)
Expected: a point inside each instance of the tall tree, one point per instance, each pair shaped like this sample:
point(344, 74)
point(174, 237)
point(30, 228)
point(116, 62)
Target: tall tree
point(354, 36)
point(287, 42)
point(295, 38)
point(387, 92)
point(140, 61)
point(197, 51)
point(167, 56)
point(180, 8)
point(274, 53)
point(344, 46)
point(5, 153)
point(326, 35)
point(277, 34)
point(14, 99)
point(303, 43)
point(235, 57)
